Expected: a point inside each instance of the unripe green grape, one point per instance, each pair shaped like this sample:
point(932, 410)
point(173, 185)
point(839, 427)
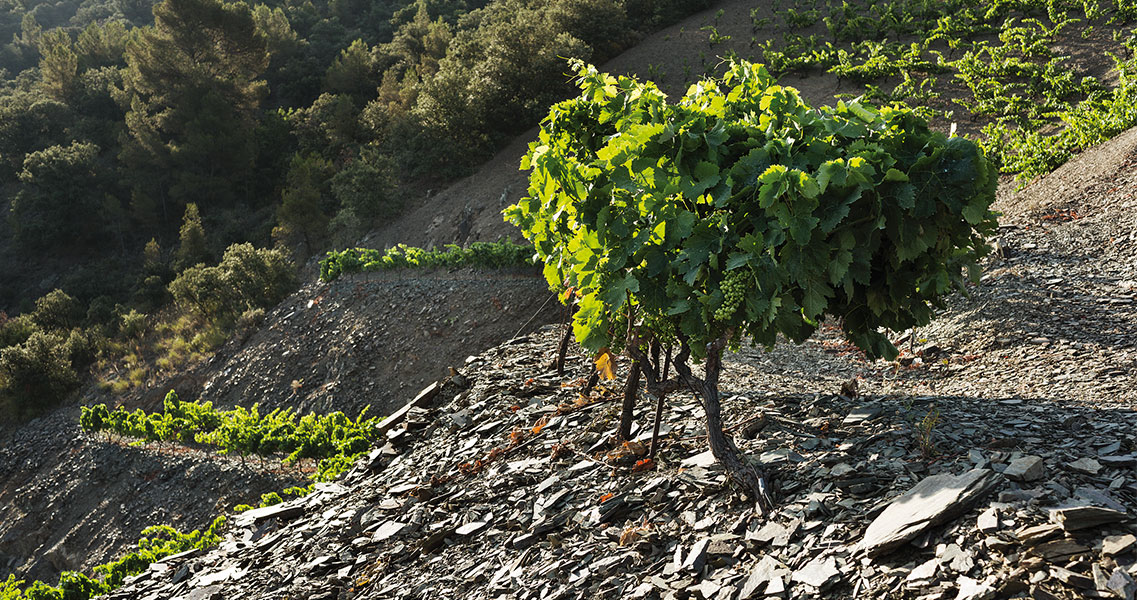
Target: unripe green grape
point(733, 287)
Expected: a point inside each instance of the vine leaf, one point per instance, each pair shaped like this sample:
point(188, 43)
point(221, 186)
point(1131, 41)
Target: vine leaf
point(606, 364)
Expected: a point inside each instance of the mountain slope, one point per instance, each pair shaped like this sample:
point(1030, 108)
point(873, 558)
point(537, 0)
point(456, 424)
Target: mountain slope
point(512, 487)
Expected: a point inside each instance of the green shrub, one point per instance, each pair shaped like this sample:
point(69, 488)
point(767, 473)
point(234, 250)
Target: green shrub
point(101, 311)
point(82, 348)
point(246, 278)
point(56, 310)
point(132, 324)
point(203, 289)
point(16, 330)
point(37, 373)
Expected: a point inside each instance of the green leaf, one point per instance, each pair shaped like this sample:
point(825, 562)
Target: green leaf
point(678, 307)
point(704, 241)
point(736, 260)
point(839, 266)
point(774, 173)
point(832, 171)
point(974, 212)
point(616, 294)
point(801, 229)
point(906, 196)
point(746, 171)
point(814, 299)
point(807, 185)
point(895, 175)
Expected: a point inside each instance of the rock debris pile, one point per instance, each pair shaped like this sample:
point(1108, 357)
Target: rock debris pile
point(507, 483)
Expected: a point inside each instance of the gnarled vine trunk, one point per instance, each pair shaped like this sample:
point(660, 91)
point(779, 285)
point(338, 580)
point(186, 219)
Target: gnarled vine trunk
point(752, 481)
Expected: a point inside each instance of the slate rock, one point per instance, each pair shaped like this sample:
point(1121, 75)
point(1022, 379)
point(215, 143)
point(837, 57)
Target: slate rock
point(971, 589)
point(702, 459)
point(1072, 579)
point(1030, 536)
point(988, 520)
point(697, 557)
point(819, 572)
point(761, 576)
point(1118, 544)
point(959, 560)
point(1099, 576)
point(1059, 549)
point(1084, 517)
point(1121, 584)
point(285, 511)
point(934, 500)
point(471, 528)
point(1085, 465)
point(1027, 468)
point(387, 530)
point(925, 571)
point(523, 541)
point(209, 592)
point(860, 414)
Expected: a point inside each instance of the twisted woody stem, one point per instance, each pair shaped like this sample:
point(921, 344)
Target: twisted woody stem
point(750, 479)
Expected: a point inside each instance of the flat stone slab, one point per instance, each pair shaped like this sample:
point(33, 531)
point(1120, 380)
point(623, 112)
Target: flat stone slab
point(818, 573)
point(1118, 544)
point(1084, 517)
point(1027, 468)
point(860, 414)
point(934, 500)
point(285, 511)
point(388, 530)
point(760, 577)
point(1085, 465)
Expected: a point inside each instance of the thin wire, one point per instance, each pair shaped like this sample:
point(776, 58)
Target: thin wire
point(541, 308)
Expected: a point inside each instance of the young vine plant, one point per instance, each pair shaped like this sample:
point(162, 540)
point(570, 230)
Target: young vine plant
point(334, 441)
point(157, 542)
point(484, 255)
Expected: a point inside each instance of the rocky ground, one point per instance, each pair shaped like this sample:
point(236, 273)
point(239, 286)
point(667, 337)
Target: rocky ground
point(509, 486)
point(997, 458)
point(376, 338)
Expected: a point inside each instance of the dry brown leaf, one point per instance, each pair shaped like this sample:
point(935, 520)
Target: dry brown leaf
point(606, 364)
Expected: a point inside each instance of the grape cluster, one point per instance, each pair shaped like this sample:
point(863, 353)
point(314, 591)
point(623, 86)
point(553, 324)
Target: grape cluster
point(733, 290)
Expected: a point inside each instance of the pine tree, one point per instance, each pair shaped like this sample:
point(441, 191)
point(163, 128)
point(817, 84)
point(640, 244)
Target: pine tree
point(193, 89)
point(58, 65)
point(191, 248)
point(152, 262)
point(301, 217)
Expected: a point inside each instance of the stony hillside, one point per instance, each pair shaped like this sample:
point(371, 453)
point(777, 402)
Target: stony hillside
point(1012, 373)
point(378, 338)
point(70, 501)
point(995, 459)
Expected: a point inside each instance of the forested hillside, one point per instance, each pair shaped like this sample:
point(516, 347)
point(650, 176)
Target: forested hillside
point(138, 141)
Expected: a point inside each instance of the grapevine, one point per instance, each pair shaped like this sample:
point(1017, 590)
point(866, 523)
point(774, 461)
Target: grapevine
point(484, 255)
point(741, 211)
point(334, 441)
